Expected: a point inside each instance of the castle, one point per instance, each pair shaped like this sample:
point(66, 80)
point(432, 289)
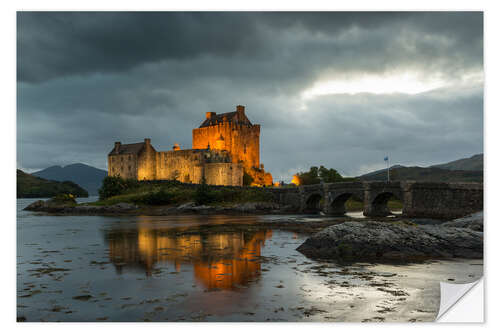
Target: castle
point(225, 148)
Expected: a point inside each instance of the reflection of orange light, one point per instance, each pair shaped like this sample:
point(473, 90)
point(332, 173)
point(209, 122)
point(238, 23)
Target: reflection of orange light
point(237, 262)
point(225, 273)
point(296, 180)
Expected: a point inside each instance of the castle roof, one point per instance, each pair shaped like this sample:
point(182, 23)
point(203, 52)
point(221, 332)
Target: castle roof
point(131, 148)
point(231, 117)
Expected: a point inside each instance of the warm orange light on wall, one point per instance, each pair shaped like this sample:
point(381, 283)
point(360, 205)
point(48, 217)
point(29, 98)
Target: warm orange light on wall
point(296, 180)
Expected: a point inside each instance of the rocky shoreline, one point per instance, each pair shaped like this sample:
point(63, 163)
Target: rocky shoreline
point(132, 209)
point(380, 241)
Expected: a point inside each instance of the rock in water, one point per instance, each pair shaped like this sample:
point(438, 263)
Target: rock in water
point(473, 222)
point(384, 240)
point(35, 206)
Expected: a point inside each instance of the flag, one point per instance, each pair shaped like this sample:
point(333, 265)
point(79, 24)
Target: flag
point(386, 158)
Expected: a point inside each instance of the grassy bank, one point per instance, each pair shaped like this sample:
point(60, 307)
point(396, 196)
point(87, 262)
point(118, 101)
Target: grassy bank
point(173, 192)
point(153, 193)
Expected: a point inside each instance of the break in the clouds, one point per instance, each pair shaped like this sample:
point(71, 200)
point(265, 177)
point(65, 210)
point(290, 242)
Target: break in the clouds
point(340, 89)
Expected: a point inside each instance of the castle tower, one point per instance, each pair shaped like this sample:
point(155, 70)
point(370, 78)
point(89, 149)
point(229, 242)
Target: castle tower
point(231, 131)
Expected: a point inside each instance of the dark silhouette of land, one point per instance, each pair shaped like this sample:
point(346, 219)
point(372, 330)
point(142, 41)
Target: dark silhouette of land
point(86, 176)
point(29, 186)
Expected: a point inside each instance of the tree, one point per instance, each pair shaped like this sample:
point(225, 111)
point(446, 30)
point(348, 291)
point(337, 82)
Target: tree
point(111, 186)
point(329, 175)
point(315, 175)
point(115, 185)
point(310, 177)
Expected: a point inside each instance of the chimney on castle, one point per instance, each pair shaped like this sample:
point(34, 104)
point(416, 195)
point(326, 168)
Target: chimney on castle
point(147, 141)
point(240, 109)
point(209, 115)
point(117, 146)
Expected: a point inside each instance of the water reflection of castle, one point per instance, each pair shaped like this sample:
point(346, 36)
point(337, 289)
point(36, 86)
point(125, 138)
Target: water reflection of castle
point(218, 260)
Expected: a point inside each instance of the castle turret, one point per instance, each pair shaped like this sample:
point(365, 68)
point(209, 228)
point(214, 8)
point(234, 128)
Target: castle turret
point(240, 111)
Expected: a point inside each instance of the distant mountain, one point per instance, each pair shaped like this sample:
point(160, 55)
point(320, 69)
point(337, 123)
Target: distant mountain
point(463, 170)
point(426, 174)
point(29, 186)
point(88, 177)
point(396, 166)
point(473, 163)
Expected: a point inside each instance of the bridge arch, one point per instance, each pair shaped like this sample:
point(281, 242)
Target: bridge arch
point(378, 203)
point(337, 202)
point(313, 203)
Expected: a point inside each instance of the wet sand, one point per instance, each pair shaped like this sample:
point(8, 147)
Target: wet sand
point(203, 268)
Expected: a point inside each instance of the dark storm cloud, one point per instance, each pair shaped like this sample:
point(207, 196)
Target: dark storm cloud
point(88, 79)
point(51, 45)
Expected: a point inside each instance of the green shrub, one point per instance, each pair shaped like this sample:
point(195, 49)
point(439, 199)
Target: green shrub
point(203, 193)
point(112, 186)
point(161, 197)
point(64, 198)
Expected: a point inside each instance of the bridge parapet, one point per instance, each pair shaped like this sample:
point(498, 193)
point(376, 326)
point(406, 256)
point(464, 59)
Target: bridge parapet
point(420, 199)
point(289, 198)
point(442, 200)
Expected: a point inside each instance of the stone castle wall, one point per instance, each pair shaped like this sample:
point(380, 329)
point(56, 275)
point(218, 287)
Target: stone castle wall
point(124, 165)
point(183, 165)
point(187, 166)
point(230, 174)
point(146, 166)
point(242, 141)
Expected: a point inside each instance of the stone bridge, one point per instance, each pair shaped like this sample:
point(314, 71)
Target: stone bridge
point(420, 199)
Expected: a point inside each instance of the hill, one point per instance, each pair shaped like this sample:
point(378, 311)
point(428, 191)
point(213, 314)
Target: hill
point(429, 174)
point(29, 186)
point(463, 170)
point(86, 176)
point(369, 174)
point(473, 163)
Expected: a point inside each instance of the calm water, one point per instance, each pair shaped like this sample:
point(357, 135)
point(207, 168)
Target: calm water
point(91, 268)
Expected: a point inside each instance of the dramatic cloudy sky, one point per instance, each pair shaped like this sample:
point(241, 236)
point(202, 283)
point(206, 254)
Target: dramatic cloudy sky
point(337, 89)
